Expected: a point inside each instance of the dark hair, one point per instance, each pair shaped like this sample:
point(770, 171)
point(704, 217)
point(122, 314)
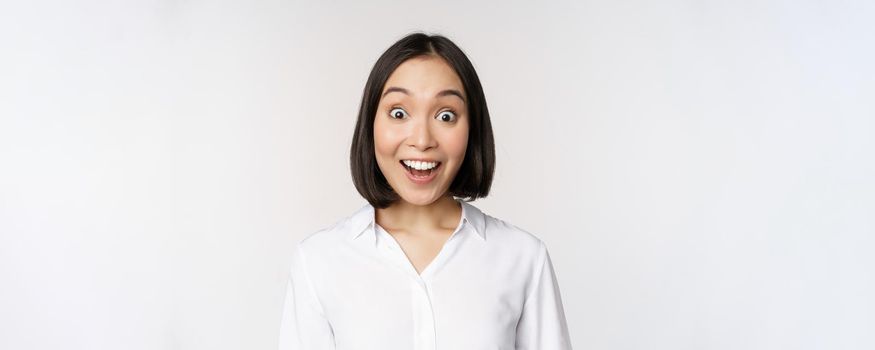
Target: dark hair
point(475, 174)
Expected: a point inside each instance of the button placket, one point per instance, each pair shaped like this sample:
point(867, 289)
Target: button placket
point(423, 316)
point(424, 337)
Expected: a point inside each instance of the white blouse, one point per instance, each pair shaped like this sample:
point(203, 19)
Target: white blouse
point(492, 286)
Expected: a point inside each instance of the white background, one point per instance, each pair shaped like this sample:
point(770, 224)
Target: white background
point(701, 171)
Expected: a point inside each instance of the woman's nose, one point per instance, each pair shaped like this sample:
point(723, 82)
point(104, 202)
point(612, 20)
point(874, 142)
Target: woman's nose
point(420, 136)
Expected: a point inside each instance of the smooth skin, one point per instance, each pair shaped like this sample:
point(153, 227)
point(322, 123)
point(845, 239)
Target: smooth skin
point(426, 118)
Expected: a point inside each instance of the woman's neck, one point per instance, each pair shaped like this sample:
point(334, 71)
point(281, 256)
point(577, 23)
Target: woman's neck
point(442, 214)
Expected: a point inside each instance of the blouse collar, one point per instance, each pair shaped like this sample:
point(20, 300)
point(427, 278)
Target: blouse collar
point(363, 219)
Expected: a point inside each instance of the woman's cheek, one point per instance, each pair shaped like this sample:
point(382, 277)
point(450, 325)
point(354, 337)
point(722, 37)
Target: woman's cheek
point(460, 144)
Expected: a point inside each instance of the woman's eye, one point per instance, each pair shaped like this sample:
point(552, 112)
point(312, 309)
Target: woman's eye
point(397, 113)
point(447, 116)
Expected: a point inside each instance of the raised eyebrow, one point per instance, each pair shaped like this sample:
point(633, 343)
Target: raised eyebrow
point(448, 92)
point(451, 92)
point(395, 89)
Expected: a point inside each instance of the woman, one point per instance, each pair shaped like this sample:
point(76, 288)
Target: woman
point(418, 268)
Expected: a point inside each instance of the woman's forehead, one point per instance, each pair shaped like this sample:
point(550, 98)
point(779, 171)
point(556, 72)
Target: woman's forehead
point(424, 77)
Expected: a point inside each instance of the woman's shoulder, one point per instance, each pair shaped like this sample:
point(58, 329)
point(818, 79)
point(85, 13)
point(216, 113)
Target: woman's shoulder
point(326, 234)
point(510, 235)
point(339, 229)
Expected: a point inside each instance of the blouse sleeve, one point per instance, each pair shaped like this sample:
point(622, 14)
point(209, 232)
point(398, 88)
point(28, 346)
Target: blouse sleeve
point(542, 325)
point(303, 325)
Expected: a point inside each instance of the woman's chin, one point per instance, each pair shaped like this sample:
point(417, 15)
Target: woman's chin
point(420, 197)
point(421, 201)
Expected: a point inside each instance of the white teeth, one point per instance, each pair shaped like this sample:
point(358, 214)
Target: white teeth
point(415, 164)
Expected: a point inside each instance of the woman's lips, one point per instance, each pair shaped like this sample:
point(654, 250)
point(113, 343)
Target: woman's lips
point(420, 180)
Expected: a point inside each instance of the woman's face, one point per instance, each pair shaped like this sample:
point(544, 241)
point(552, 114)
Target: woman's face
point(422, 115)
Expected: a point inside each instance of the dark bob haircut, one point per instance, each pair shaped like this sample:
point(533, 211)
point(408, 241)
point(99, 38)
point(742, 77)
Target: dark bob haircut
point(475, 174)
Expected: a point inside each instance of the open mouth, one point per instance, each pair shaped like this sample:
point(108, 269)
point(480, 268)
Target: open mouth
point(422, 174)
